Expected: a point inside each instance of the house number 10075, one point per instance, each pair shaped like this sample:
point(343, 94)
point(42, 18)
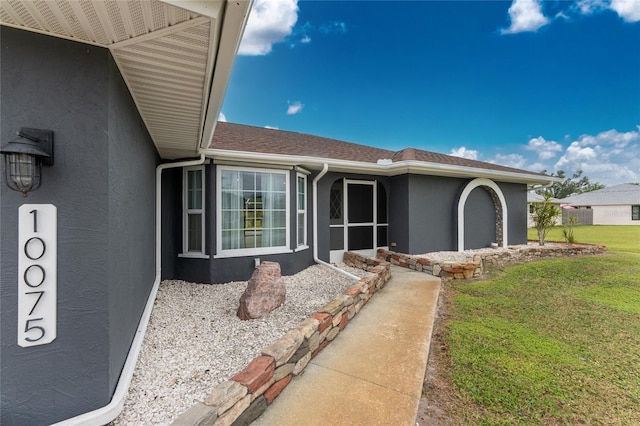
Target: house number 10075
point(37, 274)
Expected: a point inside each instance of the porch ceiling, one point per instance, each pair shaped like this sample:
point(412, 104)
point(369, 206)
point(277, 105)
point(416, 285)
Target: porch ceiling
point(175, 56)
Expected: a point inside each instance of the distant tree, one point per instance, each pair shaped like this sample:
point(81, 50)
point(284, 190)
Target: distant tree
point(576, 184)
point(545, 215)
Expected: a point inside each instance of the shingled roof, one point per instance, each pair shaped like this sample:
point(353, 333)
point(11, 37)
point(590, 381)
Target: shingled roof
point(259, 140)
point(625, 193)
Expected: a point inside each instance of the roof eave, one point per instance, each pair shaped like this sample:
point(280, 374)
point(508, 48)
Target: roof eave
point(236, 15)
point(397, 168)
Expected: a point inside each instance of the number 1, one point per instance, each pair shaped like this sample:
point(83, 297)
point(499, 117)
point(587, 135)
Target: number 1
point(35, 220)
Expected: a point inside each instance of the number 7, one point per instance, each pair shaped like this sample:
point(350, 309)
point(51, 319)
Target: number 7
point(37, 300)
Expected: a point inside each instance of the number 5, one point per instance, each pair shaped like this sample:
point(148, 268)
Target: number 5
point(28, 328)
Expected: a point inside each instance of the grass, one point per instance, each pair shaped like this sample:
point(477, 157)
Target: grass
point(616, 238)
point(549, 342)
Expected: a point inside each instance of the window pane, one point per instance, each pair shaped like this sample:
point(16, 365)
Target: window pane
point(301, 234)
point(276, 219)
point(279, 182)
point(335, 203)
point(194, 191)
point(278, 238)
point(635, 212)
point(248, 181)
point(279, 201)
point(301, 191)
point(229, 179)
point(232, 240)
point(194, 230)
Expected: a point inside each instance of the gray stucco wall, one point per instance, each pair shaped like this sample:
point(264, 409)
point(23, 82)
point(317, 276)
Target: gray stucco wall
point(131, 167)
point(423, 213)
point(516, 196)
point(102, 186)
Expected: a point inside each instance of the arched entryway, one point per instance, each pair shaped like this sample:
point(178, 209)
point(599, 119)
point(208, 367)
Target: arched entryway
point(500, 207)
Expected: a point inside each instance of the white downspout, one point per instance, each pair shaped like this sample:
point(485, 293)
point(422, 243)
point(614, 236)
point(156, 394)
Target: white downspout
point(104, 415)
point(325, 169)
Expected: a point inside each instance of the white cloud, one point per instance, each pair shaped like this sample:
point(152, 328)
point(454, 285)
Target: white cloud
point(609, 157)
point(271, 127)
point(305, 39)
point(270, 22)
point(222, 117)
point(463, 152)
point(544, 148)
point(525, 15)
point(510, 160)
point(294, 108)
point(628, 10)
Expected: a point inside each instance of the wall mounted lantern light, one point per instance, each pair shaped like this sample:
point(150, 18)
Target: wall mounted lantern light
point(24, 157)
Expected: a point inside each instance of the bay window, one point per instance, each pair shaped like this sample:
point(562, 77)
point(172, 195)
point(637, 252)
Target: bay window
point(253, 211)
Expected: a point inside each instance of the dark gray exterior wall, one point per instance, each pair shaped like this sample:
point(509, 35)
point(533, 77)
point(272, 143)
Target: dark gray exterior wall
point(221, 270)
point(132, 162)
point(516, 196)
point(102, 185)
point(423, 213)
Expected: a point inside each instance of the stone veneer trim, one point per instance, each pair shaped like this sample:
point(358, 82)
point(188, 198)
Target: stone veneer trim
point(485, 262)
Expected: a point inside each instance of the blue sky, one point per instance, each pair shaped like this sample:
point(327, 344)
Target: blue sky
point(534, 85)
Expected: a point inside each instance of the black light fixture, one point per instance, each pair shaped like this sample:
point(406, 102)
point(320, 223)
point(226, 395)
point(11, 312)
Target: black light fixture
point(24, 157)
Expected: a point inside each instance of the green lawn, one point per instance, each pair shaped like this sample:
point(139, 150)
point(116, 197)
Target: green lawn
point(549, 342)
point(616, 238)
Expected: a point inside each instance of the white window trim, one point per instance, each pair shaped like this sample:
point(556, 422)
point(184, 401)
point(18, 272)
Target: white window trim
point(303, 211)
point(220, 253)
point(185, 214)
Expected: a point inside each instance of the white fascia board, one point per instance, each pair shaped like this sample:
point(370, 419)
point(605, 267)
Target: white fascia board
point(401, 167)
point(235, 18)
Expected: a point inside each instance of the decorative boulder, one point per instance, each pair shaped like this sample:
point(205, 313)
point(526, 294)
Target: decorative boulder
point(265, 292)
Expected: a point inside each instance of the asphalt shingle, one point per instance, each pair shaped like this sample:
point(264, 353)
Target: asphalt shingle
point(238, 137)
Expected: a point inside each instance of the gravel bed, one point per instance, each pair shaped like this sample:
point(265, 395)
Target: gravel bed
point(467, 255)
point(195, 340)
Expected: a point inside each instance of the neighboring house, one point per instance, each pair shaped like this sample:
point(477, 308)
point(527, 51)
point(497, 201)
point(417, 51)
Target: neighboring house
point(533, 198)
point(294, 198)
point(613, 205)
point(124, 86)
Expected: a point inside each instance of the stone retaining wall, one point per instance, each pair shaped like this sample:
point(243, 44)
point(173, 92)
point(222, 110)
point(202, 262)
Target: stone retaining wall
point(245, 396)
point(476, 264)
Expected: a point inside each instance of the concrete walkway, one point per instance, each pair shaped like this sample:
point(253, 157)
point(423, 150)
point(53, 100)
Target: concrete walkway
point(372, 373)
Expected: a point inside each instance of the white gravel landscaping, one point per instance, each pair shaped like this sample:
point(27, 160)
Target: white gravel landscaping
point(195, 340)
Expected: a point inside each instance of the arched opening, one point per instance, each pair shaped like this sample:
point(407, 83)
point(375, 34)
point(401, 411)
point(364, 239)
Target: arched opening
point(500, 209)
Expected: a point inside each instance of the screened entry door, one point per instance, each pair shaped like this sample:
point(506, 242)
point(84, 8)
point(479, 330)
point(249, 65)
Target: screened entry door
point(354, 218)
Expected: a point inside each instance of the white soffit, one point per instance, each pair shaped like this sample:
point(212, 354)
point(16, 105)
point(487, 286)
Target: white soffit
point(165, 53)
